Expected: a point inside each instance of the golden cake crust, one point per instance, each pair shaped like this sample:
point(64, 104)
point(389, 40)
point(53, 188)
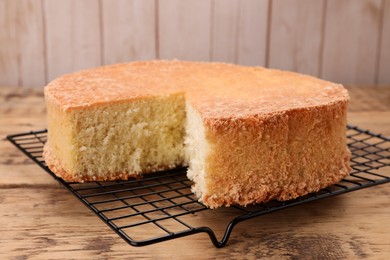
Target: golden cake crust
point(265, 184)
point(59, 170)
point(215, 89)
point(235, 103)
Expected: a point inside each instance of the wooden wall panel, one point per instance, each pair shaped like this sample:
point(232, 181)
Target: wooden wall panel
point(21, 44)
point(351, 40)
point(295, 35)
point(345, 41)
point(73, 38)
point(129, 30)
point(225, 30)
point(384, 52)
point(184, 29)
point(252, 32)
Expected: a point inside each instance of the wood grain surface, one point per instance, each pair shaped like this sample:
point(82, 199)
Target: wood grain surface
point(353, 58)
point(180, 34)
point(78, 38)
point(128, 30)
point(384, 52)
point(22, 45)
point(345, 41)
point(252, 30)
point(39, 219)
point(296, 36)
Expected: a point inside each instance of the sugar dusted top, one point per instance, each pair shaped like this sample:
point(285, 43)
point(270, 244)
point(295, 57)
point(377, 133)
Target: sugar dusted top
point(215, 89)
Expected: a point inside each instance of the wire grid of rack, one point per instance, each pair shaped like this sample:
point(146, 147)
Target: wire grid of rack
point(163, 200)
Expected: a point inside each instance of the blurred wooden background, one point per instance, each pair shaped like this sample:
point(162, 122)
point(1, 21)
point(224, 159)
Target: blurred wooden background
point(346, 41)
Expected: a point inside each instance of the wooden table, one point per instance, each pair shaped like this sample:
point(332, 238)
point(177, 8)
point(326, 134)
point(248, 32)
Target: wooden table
point(39, 219)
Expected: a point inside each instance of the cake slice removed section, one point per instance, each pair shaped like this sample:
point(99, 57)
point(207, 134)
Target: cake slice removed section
point(116, 140)
point(197, 151)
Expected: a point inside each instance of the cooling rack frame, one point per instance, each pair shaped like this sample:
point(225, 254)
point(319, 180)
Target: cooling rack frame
point(167, 195)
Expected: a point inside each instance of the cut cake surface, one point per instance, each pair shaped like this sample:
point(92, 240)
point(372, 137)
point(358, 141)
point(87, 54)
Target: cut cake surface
point(248, 134)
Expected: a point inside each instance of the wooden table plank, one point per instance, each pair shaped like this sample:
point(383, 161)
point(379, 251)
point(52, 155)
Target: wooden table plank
point(41, 220)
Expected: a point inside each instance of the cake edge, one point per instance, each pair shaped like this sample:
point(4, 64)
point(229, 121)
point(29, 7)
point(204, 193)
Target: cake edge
point(292, 192)
point(58, 169)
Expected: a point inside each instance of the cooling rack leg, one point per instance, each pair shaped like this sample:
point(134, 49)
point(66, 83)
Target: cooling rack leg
point(226, 236)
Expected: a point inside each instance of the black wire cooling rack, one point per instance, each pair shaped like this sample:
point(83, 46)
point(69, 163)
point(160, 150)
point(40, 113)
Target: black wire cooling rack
point(164, 202)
